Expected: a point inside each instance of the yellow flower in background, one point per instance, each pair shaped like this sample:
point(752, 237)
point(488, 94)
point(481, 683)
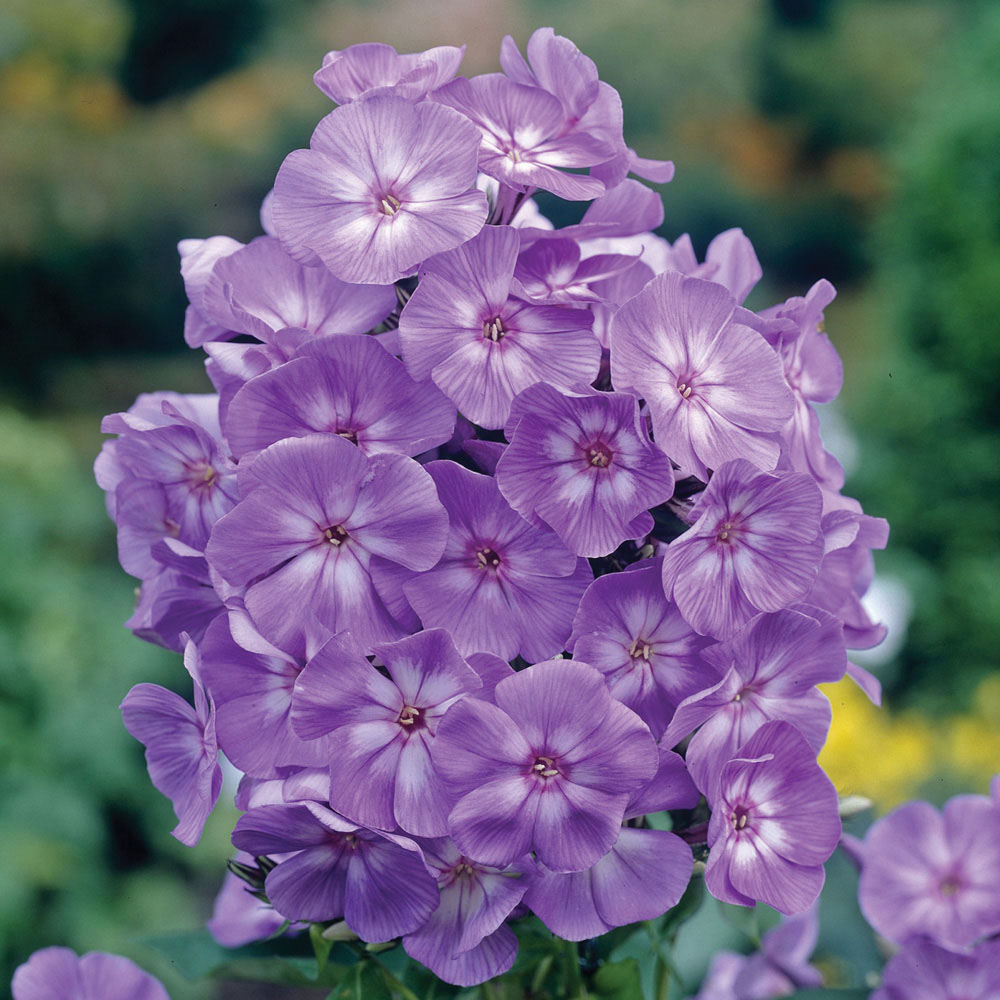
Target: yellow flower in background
point(890, 757)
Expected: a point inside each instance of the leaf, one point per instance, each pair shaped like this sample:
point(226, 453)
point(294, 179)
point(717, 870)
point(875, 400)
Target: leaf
point(687, 906)
point(618, 980)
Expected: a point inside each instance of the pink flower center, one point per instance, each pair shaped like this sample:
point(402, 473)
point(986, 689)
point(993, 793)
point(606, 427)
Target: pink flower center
point(348, 435)
point(950, 885)
point(684, 387)
point(410, 718)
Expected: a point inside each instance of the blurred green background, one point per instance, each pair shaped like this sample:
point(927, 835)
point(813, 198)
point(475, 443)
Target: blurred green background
point(857, 140)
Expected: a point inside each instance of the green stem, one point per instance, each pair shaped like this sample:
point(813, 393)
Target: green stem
point(395, 985)
point(576, 987)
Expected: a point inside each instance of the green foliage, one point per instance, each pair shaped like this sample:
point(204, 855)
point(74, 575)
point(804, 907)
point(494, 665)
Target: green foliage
point(933, 417)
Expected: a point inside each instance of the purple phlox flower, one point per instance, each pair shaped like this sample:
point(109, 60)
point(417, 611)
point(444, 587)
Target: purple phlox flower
point(198, 257)
point(179, 599)
point(584, 466)
point(294, 786)
point(614, 292)
point(252, 691)
point(643, 875)
point(627, 629)
point(57, 974)
point(382, 728)
point(846, 573)
point(384, 185)
point(501, 586)
point(774, 823)
point(925, 971)
point(814, 372)
point(197, 478)
point(589, 106)
point(548, 768)
point(755, 545)
point(181, 749)
point(628, 209)
point(769, 670)
point(316, 510)
point(730, 261)
point(777, 970)
point(260, 290)
point(552, 272)
point(349, 386)
point(238, 916)
point(377, 882)
point(714, 387)
point(523, 142)
point(934, 873)
point(480, 346)
point(150, 409)
point(373, 68)
point(465, 941)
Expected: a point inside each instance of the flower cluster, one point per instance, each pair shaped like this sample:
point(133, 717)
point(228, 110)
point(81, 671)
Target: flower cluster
point(495, 539)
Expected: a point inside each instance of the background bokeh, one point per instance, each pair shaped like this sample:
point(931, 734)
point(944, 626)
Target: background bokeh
point(856, 140)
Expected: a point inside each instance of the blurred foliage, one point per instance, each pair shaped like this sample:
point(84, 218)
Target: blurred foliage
point(931, 410)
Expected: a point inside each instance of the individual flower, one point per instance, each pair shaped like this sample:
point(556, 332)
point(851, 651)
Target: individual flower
point(349, 386)
point(934, 873)
point(650, 656)
point(238, 916)
point(769, 670)
point(585, 466)
point(643, 875)
point(925, 971)
point(501, 586)
point(552, 271)
point(755, 545)
point(774, 823)
point(358, 70)
point(778, 969)
point(523, 142)
point(381, 729)
point(730, 261)
point(465, 941)
point(377, 882)
point(384, 185)
point(316, 511)
point(714, 387)
point(482, 347)
point(251, 683)
point(58, 974)
point(548, 768)
point(181, 748)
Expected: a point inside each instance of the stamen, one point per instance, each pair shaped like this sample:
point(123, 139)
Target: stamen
point(409, 716)
point(543, 766)
point(336, 534)
point(514, 155)
point(738, 818)
point(493, 329)
point(390, 205)
point(726, 528)
point(487, 559)
point(209, 476)
point(351, 436)
point(640, 650)
point(684, 389)
point(599, 456)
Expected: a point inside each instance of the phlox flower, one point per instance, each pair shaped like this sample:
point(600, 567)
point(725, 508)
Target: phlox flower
point(774, 823)
point(481, 347)
point(358, 70)
point(58, 974)
point(714, 387)
point(934, 873)
point(548, 768)
point(377, 882)
point(925, 971)
point(769, 670)
point(650, 656)
point(585, 466)
point(381, 729)
point(384, 185)
point(315, 512)
point(755, 545)
point(730, 261)
point(465, 941)
point(501, 586)
point(181, 748)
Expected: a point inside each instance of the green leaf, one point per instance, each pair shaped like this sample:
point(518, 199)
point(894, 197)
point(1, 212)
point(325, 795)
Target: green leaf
point(687, 906)
point(618, 980)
